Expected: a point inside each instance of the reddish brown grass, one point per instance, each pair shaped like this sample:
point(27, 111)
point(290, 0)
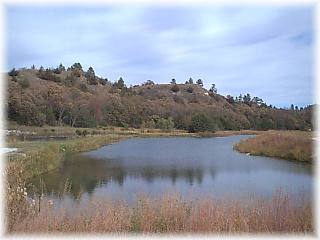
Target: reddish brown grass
point(171, 214)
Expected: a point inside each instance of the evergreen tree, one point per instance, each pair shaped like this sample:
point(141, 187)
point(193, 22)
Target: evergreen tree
point(230, 99)
point(240, 98)
point(200, 82)
point(213, 89)
point(247, 99)
point(91, 76)
point(61, 67)
point(13, 73)
point(76, 66)
point(120, 84)
point(292, 107)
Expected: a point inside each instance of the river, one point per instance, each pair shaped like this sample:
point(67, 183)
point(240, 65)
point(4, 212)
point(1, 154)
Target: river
point(192, 167)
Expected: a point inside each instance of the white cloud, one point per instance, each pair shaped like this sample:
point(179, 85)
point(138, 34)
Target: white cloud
point(257, 50)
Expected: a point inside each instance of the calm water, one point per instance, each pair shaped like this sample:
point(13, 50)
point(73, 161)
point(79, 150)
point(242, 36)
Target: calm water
point(195, 167)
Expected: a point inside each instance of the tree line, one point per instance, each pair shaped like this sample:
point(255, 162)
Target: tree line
point(72, 96)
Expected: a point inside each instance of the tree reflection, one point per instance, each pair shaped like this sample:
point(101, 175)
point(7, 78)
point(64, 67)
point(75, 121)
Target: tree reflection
point(85, 174)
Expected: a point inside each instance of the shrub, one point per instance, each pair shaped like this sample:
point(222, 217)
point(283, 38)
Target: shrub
point(92, 81)
point(56, 71)
point(190, 90)
point(83, 87)
point(178, 99)
point(13, 73)
point(175, 88)
point(24, 83)
point(78, 132)
point(70, 80)
point(77, 72)
point(163, 123)
point(201, 123)
point(103, 81)
point(49, 75)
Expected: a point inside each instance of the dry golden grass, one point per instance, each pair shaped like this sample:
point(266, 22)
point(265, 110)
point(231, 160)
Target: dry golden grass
point(291, 145)
point(228, 133)
point(171, 214)
point(17, 207)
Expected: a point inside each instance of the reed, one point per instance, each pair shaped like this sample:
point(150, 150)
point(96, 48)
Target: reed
point(172, 214)
point(290, 145)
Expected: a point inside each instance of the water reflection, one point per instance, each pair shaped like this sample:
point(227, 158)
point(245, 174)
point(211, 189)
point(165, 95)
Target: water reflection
point(204, 166)
point(86, 173)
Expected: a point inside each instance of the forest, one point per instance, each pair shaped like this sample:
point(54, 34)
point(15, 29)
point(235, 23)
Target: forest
point(72, 96)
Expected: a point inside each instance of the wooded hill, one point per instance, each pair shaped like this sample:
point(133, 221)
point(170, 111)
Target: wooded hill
point(79, 98)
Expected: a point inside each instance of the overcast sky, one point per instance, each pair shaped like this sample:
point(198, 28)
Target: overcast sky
point(266, 51)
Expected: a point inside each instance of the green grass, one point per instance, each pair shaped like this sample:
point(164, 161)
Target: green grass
point(38, 157)
point(289, 145)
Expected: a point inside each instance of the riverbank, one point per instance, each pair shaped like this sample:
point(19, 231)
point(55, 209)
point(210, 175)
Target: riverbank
point(171, 214)
point(289, 145)
point(38, 157)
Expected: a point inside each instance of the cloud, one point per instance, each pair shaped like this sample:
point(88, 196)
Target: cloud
point(265, 51)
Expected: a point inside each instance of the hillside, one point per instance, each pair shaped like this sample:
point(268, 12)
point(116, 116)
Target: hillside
point(81, 99)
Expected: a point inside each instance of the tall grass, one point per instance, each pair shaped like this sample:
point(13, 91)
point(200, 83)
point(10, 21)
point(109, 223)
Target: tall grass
point(39, 157)
point(291, 145)
point(171, 214)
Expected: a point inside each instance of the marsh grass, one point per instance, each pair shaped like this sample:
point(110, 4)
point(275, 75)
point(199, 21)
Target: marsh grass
point(290, 145)
point(172, 214)
point(38, 157)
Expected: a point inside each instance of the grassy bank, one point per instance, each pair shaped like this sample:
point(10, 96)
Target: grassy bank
point(172, 215)
point(290, 145)
point(41, 156)
point(38, 157)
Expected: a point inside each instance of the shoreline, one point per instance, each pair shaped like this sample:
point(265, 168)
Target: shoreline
point(44, 156)
point(39, 157)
